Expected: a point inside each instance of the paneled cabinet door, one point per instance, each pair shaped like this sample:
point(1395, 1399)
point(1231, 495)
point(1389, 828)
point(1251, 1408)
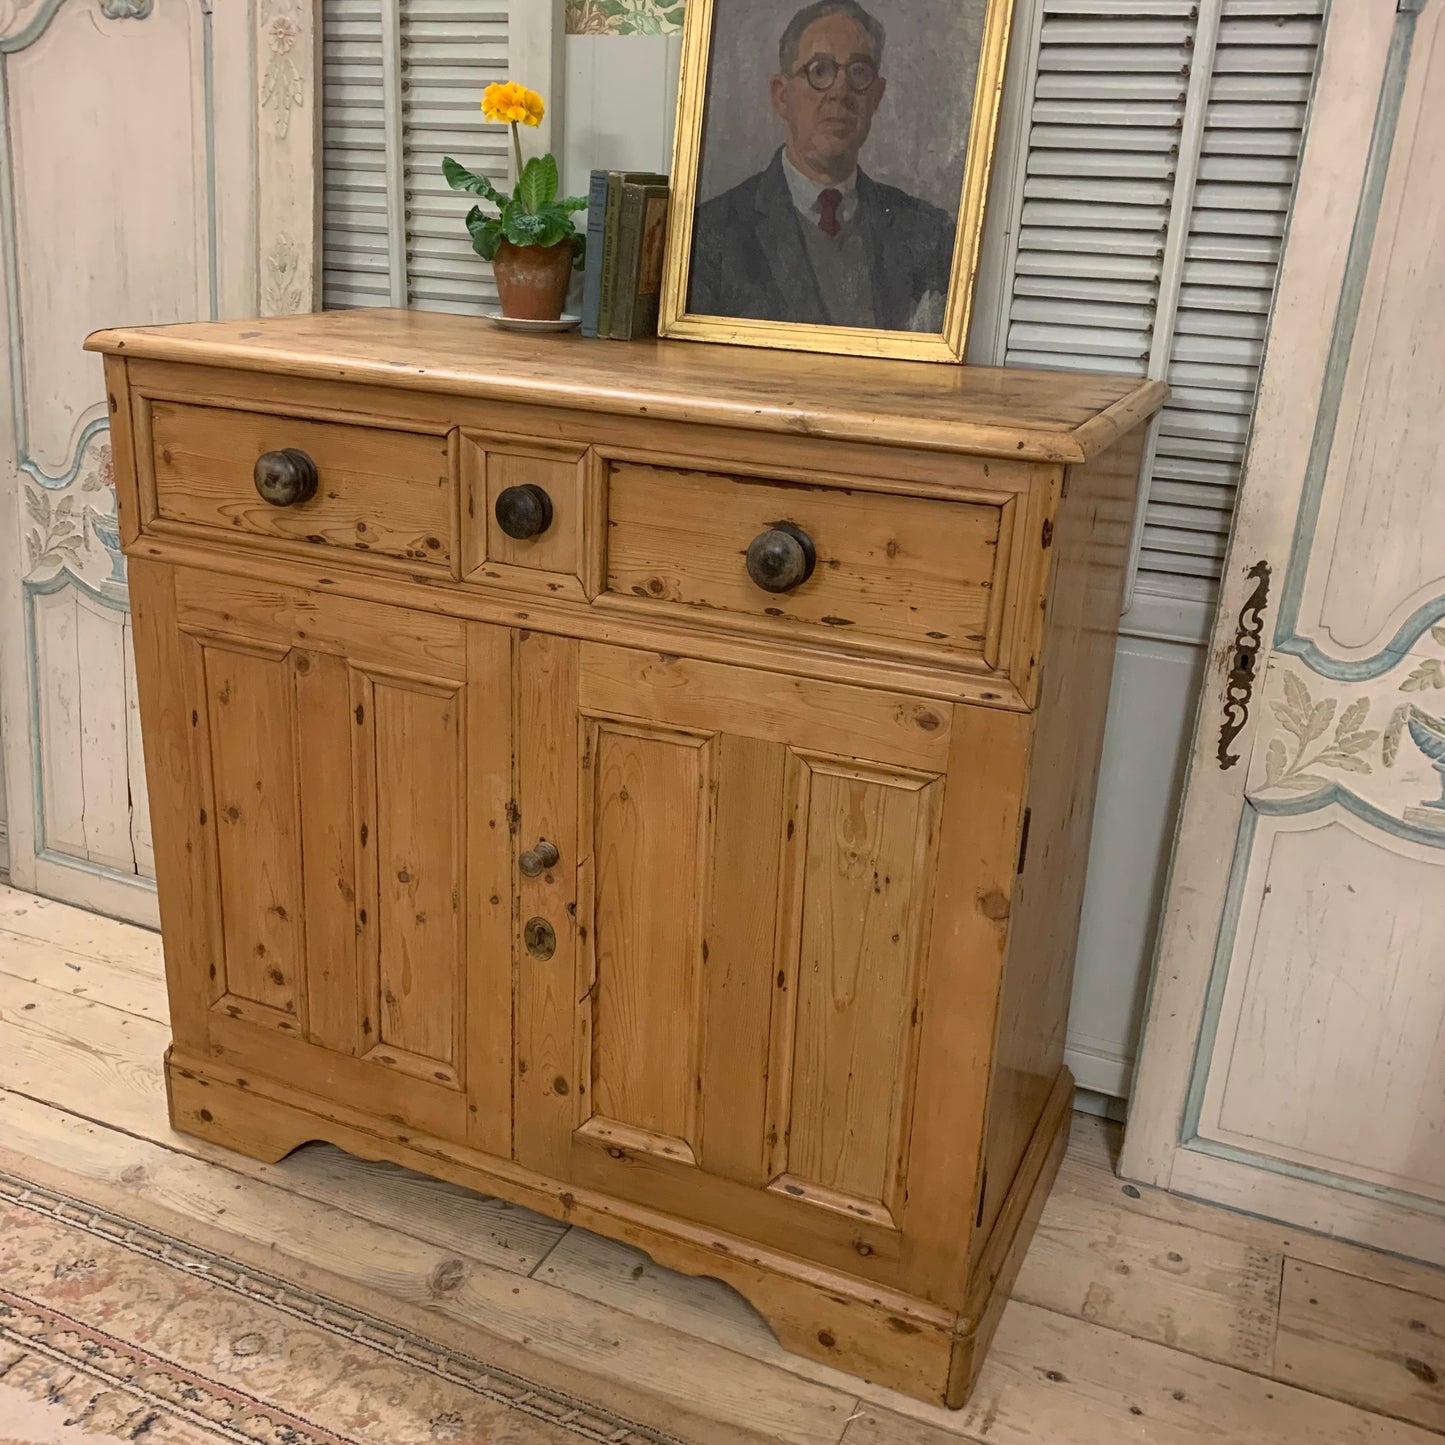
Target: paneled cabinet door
point(733, 1031)
point(334, 776)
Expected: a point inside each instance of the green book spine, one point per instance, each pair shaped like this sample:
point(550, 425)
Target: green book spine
point(615, 181)
point(629, 256)
point(609, 252)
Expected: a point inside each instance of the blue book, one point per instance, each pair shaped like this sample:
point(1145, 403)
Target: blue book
point(596, 232)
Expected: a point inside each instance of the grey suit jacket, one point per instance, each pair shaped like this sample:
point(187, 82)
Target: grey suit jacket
point(749, 260)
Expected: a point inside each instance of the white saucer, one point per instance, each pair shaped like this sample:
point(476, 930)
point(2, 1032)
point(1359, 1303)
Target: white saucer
point(566, 322)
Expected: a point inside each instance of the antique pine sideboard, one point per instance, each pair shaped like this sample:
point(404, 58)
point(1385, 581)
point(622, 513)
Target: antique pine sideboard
point(651, 783)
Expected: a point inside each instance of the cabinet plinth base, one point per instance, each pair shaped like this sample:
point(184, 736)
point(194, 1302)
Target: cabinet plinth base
point(883, 1335)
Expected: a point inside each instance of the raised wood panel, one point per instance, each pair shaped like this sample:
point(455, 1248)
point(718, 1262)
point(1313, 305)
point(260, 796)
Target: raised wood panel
point(912, 568)
point(381, 491)
point(80, 680)
point(865, 850)
point(1382, 511)
point(648, 836)
point(1297, 1067)
point(254, 787)
point(324, 728)
point(421, 872)
point(738, 979)
point(109, 96)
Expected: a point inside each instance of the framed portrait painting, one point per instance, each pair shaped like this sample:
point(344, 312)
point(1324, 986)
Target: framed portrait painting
point(830, 169)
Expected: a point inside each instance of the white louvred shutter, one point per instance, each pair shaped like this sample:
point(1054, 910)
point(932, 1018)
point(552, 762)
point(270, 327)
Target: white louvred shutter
point(1103, 148)
point(353, 150)
point(401, 83)
point(1264, 64)
point(1163, 146)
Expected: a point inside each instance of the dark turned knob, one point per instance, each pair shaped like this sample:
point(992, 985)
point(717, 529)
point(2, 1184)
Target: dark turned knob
point(782, 558)
point(537, 860)
point(524, 511)
point(286, 477)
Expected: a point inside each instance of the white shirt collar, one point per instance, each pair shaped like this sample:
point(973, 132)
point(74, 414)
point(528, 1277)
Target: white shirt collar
point(805, 192)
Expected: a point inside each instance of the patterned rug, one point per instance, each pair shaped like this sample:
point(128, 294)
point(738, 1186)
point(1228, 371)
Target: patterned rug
point(111, 1329)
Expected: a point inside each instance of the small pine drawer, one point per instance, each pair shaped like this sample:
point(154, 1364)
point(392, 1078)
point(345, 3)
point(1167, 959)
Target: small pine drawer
point(922, 571)
point(376, 492)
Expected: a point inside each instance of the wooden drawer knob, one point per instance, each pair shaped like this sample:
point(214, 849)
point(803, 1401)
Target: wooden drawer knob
point(781, 558)
point(524, 511)
point(286, 477)
point(539, 859)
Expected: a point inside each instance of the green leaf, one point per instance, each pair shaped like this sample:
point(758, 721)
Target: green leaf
point(523, 229)
point(1357, 742)
point(459, 178)
point(486, 233)
point(1428, 675)
point(1305, 783)
point(1438, 633)
point(538, 184)
point(572, 204)
point(1320, 718)
point(1390, 747)
point(1352, 717)
point(1353, 765)
point(1297, 695)
point(1274, 761)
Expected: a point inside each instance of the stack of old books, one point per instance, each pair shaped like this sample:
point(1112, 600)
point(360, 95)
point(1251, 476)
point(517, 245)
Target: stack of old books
point(626, 239)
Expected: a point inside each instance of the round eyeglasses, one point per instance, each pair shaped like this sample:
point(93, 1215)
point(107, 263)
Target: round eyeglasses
point(822, 71)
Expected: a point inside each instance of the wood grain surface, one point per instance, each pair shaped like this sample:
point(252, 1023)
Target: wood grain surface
point(1031, 416)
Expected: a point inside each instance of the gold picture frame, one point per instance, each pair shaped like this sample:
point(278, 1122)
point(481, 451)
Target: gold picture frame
point(944, 345)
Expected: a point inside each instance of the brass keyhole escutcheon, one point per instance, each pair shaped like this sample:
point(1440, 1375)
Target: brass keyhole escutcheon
point(540, 938)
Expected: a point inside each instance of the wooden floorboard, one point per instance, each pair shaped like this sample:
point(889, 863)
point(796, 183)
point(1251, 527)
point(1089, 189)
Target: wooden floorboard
point(1138, 1316)
point(1368, 1343)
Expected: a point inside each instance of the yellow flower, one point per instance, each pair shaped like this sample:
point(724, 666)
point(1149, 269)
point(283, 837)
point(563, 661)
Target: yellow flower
point(512, 104)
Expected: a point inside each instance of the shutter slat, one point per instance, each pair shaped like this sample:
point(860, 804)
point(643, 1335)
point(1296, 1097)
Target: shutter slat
point(450, 50)
point(1106, 123)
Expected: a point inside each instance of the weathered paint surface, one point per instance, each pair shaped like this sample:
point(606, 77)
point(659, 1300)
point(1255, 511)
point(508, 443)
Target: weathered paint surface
point(151, 174)
point(1292, 1056)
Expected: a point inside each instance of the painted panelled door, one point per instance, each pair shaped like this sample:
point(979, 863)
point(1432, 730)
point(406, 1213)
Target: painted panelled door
point(157, 163)
point(1294, 1059)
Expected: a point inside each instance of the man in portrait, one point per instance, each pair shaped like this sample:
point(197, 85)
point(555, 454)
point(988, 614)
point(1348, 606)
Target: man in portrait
point(813, 238)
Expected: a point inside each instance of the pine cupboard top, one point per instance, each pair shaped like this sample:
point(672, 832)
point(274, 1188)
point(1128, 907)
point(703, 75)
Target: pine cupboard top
point(1044, 416)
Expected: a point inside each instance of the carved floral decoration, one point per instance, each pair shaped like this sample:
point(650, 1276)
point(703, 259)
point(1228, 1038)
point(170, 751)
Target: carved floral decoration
point(284, 290)
point(1319, 738)
point(282, 87)
point(75, 527)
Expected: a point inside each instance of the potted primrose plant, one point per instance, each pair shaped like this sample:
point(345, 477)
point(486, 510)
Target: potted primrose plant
point(532, 242)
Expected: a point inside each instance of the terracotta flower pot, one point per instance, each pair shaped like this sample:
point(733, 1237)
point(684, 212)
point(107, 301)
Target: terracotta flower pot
point(532, 281)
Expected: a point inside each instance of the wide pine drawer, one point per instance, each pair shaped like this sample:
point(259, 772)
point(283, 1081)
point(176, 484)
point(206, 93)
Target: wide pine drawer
point(380, 492)
point(922, 570)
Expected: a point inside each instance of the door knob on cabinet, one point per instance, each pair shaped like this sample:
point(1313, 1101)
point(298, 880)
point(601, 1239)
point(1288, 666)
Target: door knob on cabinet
point(539, 858)
point(524, 511)
point(286, 477)
point(781, 558)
